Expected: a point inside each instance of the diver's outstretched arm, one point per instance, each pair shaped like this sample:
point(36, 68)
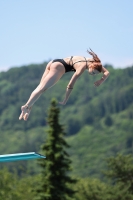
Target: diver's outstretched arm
point(68, 92)
point(71, 85)
point(105, 76)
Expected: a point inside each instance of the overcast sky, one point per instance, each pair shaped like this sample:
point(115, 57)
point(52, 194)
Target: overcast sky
point(34, 31)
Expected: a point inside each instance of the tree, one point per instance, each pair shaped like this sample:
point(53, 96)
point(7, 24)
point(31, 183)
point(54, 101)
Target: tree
point(119, 191)
point(120, 171)
point(94, 189)
point(90, 189)
point(12, 187)
point(55, 181)
point(7, 184)
point(108, 121)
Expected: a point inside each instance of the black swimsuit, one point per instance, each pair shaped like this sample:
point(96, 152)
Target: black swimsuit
point(69, 67)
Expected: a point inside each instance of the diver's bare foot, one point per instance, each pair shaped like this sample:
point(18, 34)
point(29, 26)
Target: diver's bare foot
point(25, 112)
point(25, 117)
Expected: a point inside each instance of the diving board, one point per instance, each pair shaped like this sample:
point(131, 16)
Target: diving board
point(20, 156)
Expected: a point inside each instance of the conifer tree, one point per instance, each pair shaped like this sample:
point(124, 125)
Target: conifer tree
point(55, 181)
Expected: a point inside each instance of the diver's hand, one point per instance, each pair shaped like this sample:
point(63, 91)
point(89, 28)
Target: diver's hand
point(62, 103)
point(97, 83)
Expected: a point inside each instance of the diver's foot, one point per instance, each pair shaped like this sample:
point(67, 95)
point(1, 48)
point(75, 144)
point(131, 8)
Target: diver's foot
point(25, 112)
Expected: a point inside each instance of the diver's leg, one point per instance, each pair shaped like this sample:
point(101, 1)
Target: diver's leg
point(46, 70)
point(54, 74)
point(28, 109)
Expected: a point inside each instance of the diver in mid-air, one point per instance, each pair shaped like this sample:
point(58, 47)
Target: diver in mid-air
point(55, 69)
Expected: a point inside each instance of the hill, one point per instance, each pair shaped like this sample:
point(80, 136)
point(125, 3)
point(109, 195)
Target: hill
point(98, 121)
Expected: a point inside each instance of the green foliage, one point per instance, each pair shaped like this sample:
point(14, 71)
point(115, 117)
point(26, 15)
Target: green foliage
point(119, 191)
point(120, 172)
point(14, 188)
point(98, 124)
point(17, 84)
point(108, 121)
point(98, 121)
point(120, 169)
point(55, 182)
point(92, 189)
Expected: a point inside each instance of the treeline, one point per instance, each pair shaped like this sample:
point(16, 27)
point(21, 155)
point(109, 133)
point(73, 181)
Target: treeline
point(117, 183)
point(98, 121)
point(16, 85)
point(53, 180)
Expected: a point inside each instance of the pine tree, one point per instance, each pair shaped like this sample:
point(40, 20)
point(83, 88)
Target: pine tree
point(55, 181)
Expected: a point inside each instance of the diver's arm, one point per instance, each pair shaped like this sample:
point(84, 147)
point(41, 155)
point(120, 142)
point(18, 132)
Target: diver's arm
point(104, 77)
point(71, 85)
point(68, 92)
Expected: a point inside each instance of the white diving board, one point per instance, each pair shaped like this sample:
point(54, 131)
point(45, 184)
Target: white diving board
point(20, 156)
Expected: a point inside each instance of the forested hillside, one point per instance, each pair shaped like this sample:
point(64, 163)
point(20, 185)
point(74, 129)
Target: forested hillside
point(98, 121)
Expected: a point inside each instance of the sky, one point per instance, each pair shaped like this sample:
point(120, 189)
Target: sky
point(35, 31)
